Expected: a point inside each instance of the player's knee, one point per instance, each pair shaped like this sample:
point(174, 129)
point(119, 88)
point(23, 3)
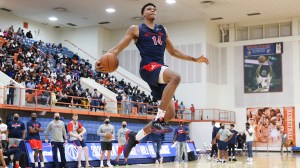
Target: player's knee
point(176, 78)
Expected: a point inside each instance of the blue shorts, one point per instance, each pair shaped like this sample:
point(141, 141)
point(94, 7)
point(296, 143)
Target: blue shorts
point(79, 143)
point(222, 145)
point(150, 74)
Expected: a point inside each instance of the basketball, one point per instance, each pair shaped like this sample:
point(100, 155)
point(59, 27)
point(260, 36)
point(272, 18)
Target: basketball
point(262, 59)
point(79, 130)
point(108, 136)
point(109, 61)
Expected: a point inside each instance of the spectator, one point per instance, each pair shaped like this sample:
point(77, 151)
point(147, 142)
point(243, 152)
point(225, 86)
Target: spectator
point(176, 108)
point(156, 139)
point(119, 102)
point(16, 131)
point(126, 104)
point(192, 109)
point(249, 141)
point(181, 109)
point(231, 143)
point(283, 142)
point(214, 148)
point(180, 138)
point(28, 34)
point(33, 137)
point(58, 136)
point(3, 131)
point(121, 140)
point(11, 92)
point(95, 100)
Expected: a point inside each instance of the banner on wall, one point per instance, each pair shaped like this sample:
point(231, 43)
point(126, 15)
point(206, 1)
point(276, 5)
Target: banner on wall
point(140, 151)
point(270, 123)
point(263, 68)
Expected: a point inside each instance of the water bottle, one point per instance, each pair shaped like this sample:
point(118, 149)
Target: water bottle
point(11, 165)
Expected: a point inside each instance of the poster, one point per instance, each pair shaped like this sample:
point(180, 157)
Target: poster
point(263, 68)
point(269, 123)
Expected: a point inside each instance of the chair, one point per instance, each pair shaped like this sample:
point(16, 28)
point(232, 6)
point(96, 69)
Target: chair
point(207, 149)
point(198, 152)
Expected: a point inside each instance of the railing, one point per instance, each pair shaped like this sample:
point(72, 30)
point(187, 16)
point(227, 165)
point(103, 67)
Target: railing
point(43, 100)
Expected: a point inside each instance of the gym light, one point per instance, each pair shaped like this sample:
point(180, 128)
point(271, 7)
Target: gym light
point(52, 19)
point(170, 1)
point(110, 10)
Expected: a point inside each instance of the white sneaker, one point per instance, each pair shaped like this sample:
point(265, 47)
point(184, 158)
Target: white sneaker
point(208, 158)
point(161, 160)
point(109, 165)
point(248, 159)
point(101, 166)
point(176, 162)
point(251, 159)
point(156, 162)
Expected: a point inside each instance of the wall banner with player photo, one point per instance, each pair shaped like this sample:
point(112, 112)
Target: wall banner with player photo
point(271, 125)
point(263, 68)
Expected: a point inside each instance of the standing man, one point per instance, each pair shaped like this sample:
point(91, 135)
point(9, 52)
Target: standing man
point(11, 92)
point(232, 143)
point(152, 40)
point(225, 135)
point(58, 138)
point(16, 131)
point(4, 134)
point(214, 148)
point(283, 142)
point(180, 137)
point(192, 109)
point(33, 137)
point(106, 144)
point(249, 141)
point(156, 138)
point(181, 109)
point(77, 139)
point(121, 139)
point(176, 108)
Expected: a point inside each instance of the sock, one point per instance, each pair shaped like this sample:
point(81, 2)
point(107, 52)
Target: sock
point(160, 114)
point(101, 162)
point(36, 164)
point(141, 134)
point(42, 164)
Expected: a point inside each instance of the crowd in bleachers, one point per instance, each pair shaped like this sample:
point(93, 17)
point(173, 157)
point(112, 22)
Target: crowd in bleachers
point(54, 71)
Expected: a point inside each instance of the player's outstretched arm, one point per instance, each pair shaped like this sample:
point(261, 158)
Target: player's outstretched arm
point(270, 67)
point(258, 69)
point(180, 55)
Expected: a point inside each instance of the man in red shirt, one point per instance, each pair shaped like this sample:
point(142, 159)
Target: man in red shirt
point(176, 108)
point(192, 108)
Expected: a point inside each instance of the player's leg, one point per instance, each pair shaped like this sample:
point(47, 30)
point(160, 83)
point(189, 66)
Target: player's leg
point(40, 148)
point(109, 148)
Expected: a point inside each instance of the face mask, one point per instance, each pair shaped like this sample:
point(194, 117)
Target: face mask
point(33, 118)
point(56, 118)
point(106, 122)
point(16, 118)
point(124, 126)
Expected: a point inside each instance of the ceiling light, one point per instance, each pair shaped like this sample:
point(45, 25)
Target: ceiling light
point(104, 23)
point(217, 18)
point(170, 1)
point(110, 10)
point(60, 9)
point(52, 18)
point(207, 2)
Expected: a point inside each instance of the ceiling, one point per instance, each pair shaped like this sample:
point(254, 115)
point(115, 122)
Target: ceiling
point(84, 13)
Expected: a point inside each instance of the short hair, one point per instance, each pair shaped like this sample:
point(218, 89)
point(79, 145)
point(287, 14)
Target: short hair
point(232, 125)
point(74, 114)
point(148, 4)
point(247, 124)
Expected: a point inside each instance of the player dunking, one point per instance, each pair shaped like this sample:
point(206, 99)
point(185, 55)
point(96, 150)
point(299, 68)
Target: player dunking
point(151, 40)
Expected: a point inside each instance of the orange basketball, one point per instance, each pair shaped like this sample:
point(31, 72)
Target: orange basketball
point(262, 59)
point(79, 130)
point(108, 136)
point(109, 61)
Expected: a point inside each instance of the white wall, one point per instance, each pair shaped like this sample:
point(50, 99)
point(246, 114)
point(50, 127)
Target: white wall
point(39, 31)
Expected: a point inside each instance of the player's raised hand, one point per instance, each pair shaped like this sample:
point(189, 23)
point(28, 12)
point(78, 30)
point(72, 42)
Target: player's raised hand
point(202, 59)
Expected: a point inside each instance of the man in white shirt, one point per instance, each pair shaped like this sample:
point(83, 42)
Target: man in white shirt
point(3, 131)
point(249, 141)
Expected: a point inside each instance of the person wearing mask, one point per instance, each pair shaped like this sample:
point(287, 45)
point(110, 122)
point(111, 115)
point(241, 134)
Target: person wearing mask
point(192, 109)
point(4, 134)
point(249, 141)
point(231, 143)
point(58, 137)
point(95, 101)
point(224, 136)
point(77, 139)
point(33, 137)
point(181, 109)
point(214, 148)
point(180, 138)
point(16, 131)
point(106, 144)
point(176, 108)
point(283, 142)
point(119, 102)
point(121, 140)
point(10, 92)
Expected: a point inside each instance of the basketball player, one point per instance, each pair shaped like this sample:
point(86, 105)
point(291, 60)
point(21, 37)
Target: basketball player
point(77, 139)
point(263, 80)
point(151, 40)
point(121, 139)
point(33, 137)
point(106, 144)
point(225, 135)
